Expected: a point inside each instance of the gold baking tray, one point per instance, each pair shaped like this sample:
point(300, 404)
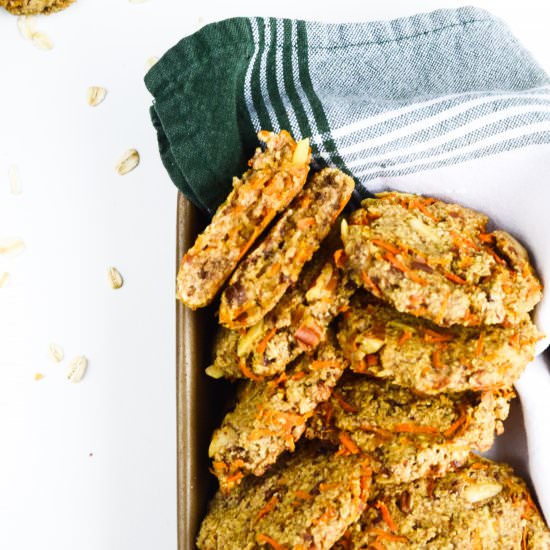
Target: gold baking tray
point(200, 399)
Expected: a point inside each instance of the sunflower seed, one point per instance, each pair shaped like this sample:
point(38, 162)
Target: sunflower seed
point(77, 369)
point(4, 278)
point(115, 278)
point(150, 62)
point(56, 353)
point(41, 41)
point(344, 229)
point(128, 162)
point(481, 491)
point(15, 180)
point(214, 372)
point(26, 26)
point(11, 247)
point(96, 94)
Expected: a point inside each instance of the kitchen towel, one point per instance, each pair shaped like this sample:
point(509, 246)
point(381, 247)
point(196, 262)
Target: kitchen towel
point(446, 104)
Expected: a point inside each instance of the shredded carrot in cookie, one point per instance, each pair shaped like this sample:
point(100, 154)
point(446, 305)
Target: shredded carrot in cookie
point(497, 258)
point(462, 419)
point(436, 359)
point(303, 495)
point(461, 240)
point(346, 406)
point(260, 348)
point(321, 365)
point(261, 537)
point(479, 345)
point(431, 336)
point(385, 535)
point(247, 372)
point(407, 335)
point(268, 507)
point(370, 284)
point(454, 278)
point(419, 204)
point(386, 246)
point(409, 273)
point(339, 258)
point(326, 516)
point(323, 487)
point(486, 237)
point(396, 262)
point(348, 443)
point(386, 515)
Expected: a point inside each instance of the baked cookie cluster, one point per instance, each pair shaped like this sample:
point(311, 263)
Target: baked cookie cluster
point(375, 352)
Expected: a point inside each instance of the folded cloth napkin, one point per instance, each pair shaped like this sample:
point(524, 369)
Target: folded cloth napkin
point(447, 104)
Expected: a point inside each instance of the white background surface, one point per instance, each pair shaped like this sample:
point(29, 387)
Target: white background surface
point(92, 466)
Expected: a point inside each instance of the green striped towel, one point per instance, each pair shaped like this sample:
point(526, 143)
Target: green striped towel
point(374, 97)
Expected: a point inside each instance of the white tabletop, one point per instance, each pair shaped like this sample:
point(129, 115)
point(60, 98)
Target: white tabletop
point(91, 466)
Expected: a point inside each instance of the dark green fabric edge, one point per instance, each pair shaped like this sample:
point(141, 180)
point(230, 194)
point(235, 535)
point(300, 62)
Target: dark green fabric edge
point(194, 82)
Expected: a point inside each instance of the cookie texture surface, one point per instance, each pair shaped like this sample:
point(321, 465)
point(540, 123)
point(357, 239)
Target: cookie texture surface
point(271, 416)
point(34, 7)
point(483, 505)
point(436, 260)
point(418, 354)
point(307, 500)
point(264, 275)
point(275, 177)
point(408, 435)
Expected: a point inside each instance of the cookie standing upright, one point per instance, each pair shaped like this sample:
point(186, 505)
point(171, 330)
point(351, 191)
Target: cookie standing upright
point(275, 177)
point(262, 278)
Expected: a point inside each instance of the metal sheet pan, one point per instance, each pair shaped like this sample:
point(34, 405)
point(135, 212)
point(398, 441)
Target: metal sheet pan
point(202, 402)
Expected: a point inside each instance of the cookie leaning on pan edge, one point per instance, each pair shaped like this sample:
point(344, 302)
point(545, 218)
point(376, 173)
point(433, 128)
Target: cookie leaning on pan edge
point(263, 276)
point(275, 177)
point(33, 7)
point(271, 416)
point(435, 260)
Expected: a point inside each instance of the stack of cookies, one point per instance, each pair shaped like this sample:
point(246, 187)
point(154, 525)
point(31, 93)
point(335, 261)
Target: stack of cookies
point(386, 341)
